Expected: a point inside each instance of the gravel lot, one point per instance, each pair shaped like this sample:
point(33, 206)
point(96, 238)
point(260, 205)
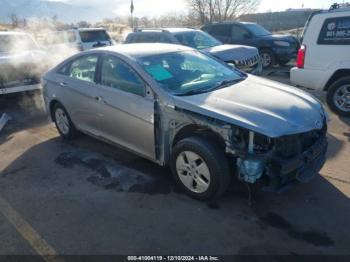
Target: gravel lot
point(86, 197)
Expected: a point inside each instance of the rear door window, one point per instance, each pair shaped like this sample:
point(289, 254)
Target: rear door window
point(239, 33)
point(221, 30)
point(335, 31)
point(83, 68)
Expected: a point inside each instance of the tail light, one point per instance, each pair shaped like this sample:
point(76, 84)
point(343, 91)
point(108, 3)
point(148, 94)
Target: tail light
point(301, 57)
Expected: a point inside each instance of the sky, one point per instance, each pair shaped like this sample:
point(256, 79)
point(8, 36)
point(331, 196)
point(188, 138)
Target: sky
point(159, 7)
point(281, 5)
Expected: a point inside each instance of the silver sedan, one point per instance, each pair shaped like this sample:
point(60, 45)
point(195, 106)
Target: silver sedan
point(177, 106)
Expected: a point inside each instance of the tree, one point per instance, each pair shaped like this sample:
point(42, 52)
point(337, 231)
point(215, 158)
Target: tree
point(14, 20)
point(208, 11)
point(83, 24)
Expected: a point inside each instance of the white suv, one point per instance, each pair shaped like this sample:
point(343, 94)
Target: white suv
point(79, 39)
point(323, 61)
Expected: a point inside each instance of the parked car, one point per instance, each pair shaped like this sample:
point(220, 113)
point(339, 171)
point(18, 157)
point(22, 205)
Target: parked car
point(243, 57)
point(22, 63)
point(175, 105)
point(324, 58)
point(79, 39)
point(274, 49)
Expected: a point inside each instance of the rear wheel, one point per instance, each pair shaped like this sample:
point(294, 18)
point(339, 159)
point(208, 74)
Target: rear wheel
point(63, 122)
point(268, 58)
point(200, 168)
point(338, 97)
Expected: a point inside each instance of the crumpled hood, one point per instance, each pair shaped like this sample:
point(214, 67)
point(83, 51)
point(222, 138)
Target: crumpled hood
point(229, 53)
point(260, 105)
point(23, 57)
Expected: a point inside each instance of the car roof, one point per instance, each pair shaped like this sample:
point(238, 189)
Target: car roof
point(144, 49)
point(12, 33)
point(82, 29)
point(336, 10)
point(162, 30)
point(231, 23)
point(91, 29)
point(180, 30)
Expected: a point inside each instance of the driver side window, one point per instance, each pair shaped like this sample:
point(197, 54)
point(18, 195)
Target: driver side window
point(239, 33)
point(116, 74)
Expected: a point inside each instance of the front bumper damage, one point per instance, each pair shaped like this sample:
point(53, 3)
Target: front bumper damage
point(282, 173)
point(256, 159)
point(278, 173)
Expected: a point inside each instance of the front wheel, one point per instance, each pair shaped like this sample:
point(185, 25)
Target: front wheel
point(200, 168)
point(338, 97)
point(268, 58)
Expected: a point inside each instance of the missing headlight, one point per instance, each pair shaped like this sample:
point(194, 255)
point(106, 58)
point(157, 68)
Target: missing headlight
point(253, 142)
point(262, 144)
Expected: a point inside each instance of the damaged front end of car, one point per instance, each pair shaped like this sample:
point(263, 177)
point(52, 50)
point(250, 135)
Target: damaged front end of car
point(274, 163)
point(280, 162)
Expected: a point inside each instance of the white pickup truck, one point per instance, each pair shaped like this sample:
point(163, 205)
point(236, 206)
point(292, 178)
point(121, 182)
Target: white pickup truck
point(21, 63)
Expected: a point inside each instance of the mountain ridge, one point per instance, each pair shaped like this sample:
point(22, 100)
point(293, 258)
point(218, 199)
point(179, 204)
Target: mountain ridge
point(65, 12)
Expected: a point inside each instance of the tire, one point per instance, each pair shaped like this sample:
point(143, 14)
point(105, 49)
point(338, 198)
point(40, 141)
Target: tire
point(69, 132)
point(339, 87)
point(210, 155)
point(267, 54)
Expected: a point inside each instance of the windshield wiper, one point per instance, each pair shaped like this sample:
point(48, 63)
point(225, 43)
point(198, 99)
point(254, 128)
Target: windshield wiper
point(226, 83)
point(222, 84)
point(193, 92)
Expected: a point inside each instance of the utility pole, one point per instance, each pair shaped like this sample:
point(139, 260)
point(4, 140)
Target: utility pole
point(132, 13)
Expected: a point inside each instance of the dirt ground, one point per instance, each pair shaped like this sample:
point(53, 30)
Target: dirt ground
point(86, 197)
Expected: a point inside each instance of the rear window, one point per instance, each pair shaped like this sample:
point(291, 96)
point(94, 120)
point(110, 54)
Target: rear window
point(94, 36)
point(149, 37)
point(335, 31)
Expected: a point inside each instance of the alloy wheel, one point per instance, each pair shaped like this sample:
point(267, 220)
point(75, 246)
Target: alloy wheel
point(193, 172)
point(341, 98)
point(266, 59)
point(62, 121)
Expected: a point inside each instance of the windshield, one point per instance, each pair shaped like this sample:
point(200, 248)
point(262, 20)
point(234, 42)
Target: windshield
point(16, 43)
point(257, 30)
point(197, 39)
point(188, 73)
point(94, 36)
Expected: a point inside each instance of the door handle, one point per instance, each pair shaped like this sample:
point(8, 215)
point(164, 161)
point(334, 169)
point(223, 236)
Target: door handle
point(63, 84)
